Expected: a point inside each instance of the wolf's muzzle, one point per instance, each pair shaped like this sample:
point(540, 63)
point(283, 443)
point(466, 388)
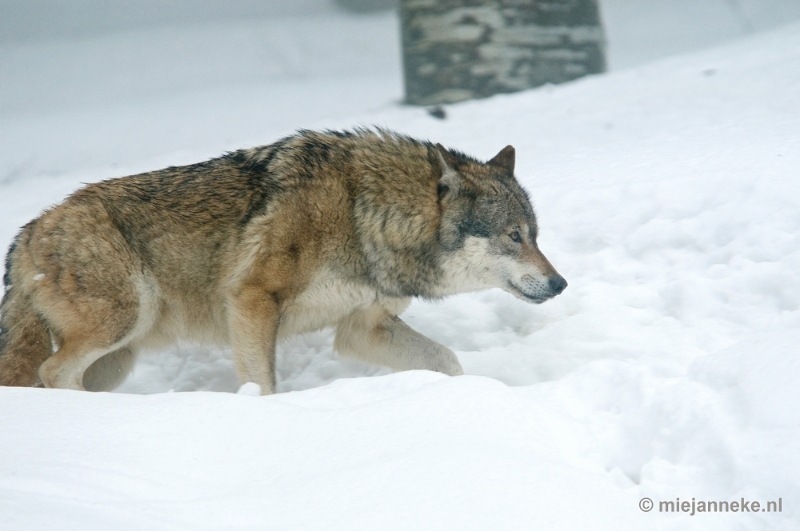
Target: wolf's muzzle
point(538, 290)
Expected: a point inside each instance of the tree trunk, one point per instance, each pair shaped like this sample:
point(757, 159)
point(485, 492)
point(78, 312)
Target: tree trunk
point(455, 50)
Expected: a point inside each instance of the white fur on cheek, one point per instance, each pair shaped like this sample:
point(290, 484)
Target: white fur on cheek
point(472, 268)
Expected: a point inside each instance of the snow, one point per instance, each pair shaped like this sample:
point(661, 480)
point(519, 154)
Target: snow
point(668, 196)
point(642, 30)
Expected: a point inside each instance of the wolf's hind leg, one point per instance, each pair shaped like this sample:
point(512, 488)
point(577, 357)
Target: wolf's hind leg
point(88, 337)
point(65, 368)
point(375, 336)
point(87, 328)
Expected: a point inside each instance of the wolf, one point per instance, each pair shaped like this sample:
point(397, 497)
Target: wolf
point(319, 229)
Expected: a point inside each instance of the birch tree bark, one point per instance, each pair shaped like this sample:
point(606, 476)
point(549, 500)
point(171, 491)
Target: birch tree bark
point(455, 50)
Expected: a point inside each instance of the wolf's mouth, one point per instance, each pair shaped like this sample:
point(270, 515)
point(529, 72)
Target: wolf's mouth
point(518, 293)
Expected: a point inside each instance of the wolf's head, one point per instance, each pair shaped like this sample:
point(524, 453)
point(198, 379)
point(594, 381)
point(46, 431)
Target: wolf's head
point(488, 230)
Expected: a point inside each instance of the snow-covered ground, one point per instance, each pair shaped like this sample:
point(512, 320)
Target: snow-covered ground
point(668, 196)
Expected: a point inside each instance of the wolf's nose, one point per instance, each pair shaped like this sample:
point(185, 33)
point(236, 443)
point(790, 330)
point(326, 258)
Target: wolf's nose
point(557, 284)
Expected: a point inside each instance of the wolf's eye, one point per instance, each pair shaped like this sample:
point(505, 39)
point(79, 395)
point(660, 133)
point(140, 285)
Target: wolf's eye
point(515, 237)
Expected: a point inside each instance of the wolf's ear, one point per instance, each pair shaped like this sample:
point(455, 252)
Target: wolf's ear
point(505, 159)
point(450, 180)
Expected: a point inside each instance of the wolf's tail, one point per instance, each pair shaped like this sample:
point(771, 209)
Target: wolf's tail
point(24, 338)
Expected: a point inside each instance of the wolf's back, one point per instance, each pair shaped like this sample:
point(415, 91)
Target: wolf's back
point(24, 339)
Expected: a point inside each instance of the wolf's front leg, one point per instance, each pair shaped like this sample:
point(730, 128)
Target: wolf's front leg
point(253, 318)
point(375, 336)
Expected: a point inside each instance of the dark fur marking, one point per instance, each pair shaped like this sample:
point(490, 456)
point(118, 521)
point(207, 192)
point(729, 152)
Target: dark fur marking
point(338, 134)
point(261, 184)
point(7, 273)
point(480, 228)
